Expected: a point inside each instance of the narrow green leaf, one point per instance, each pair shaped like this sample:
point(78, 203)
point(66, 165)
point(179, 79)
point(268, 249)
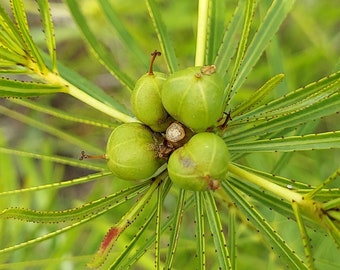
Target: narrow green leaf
point(121, 258)
point(304, 235)
point(162, 34)
point(126, 38)
point(278, 244)
point(12, 88)
point(51, 130)
point(57, 159)
point(9, 34)
point(11, 57)
point(321, 186)
point(91, 209)
point(97, 48)
point(151, 240)
point(216, 29)
point(68, 183)
point(322, 87)
point(48, 236)
point(255, 99)
point(325, 107)
point(248, 18)
point(48, 31)
point(20, 17)
point(333, 230)
point(217, 231)
point(286, 157)
point(276, 63)
point(271, 23)
point(327, 140)
point(159, 208)
point(176, 225)
point(230, 42)
point(232, 244)
point(200, 231)
point(63, 114)
point(127, 263)
point(115, 231)
point(37, 240)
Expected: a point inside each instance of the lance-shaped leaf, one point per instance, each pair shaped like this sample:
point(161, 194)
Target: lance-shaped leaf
point(62, 114)
point(200, 232)
point(278, 244)
point(248, 17)
point(217, 231)
point(126, 38)
point(230, 42)
point(10, 37)
point(75, 214)
point(322, 87)
point(31, 48)
point(48, 31)
point(163, 36)
point(327, 140)
point(97, 48)
point(328, 106)
point(67, 137)
point(176, 225)
point(12, 88)
point(216, 29)
point(271, 23)
point(304, 235)
point(258, 96)
point(114, 232)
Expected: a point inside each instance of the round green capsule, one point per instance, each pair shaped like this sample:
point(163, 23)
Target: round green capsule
point(194, 97)
point(146, 99)
point(131, 152)
point(200, 164)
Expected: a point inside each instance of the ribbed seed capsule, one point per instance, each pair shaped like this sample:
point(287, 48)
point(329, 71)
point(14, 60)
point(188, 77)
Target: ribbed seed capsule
point(200, 164)
point(146, 99)
point(194, 97)
point(131, 152)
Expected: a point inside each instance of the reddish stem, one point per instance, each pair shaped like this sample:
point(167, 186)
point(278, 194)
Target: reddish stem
point(154, 55)
point(83, 155)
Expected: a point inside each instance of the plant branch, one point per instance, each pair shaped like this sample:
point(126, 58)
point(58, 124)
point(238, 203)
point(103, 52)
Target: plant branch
point(86, 98)
point(284, 193)
point(203, 12)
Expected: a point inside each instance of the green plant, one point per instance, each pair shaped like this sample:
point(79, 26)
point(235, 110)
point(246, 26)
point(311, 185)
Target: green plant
point(269, 132)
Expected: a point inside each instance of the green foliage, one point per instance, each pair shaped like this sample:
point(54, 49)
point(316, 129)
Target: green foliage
point(278, 205)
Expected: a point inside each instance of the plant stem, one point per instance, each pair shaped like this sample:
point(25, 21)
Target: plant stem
point(311, 208)
point(86, 98)
point(202, 20)
point(284, 193)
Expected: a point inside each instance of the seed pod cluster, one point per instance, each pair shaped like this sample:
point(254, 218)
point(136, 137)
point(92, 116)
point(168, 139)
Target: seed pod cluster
point(175, 111)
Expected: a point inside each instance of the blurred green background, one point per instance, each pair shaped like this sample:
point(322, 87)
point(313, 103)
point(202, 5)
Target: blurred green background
point(305, 49)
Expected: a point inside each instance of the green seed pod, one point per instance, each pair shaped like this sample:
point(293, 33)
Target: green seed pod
point(131, 152)
point(146, 100)
point(200, 164)
point(194, 97)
